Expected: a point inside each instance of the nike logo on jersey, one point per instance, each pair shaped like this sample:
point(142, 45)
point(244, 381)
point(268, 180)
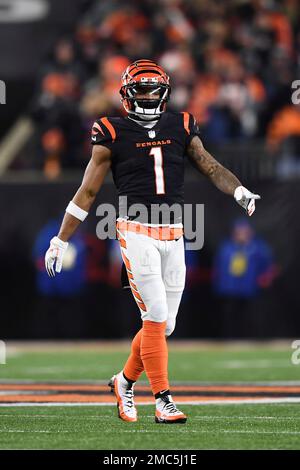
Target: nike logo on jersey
point(154, 143)
point(94, 138)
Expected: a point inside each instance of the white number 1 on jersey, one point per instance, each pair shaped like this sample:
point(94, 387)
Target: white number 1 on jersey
point(158, 170)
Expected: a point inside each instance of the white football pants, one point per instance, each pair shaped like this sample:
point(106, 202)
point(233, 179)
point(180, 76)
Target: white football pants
point(156, 272)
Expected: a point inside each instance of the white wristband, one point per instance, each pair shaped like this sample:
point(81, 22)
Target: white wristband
point(76, 211)
point(238, 193)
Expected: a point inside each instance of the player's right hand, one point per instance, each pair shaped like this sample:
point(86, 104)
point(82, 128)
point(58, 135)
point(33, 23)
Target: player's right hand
point(55, 255)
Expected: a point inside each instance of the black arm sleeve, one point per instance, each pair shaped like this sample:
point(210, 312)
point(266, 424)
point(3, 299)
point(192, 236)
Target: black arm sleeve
point(192, 130)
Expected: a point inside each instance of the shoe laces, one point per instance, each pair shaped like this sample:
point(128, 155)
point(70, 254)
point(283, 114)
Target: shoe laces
point(169, 405)
point(129, 397)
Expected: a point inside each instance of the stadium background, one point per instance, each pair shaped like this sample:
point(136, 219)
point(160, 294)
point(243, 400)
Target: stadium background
point(232, 65)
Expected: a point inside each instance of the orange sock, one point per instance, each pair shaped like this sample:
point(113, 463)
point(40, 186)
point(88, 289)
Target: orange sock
point(134, 365)
point(154, 354)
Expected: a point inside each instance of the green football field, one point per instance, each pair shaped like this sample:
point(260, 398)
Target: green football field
point(248, 398)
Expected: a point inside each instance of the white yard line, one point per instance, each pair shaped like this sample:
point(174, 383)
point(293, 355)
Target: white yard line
point(152, 431)
point(276, 418)
point(254, 401)
point(34, 416)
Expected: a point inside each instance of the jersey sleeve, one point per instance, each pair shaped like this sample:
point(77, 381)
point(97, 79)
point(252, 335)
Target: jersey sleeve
point(103, 133)
point(191, 127)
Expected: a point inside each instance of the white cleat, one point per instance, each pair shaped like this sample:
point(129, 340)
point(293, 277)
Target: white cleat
point(167, 412)
point(125, 397)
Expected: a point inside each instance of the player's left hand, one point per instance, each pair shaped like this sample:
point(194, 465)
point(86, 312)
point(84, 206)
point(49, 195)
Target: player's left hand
point(246, 199)
point(55, 254)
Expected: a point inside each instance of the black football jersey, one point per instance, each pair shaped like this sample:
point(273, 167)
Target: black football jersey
point(147, 164)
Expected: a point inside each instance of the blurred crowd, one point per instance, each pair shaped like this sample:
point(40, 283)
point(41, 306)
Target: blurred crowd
point(231, 65)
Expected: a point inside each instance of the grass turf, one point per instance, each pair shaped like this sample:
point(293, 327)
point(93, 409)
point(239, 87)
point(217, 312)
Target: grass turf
point(219, 364)
point(209, 427)
point(241, 426)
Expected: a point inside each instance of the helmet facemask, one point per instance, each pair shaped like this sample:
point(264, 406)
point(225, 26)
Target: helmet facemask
point(145, 100)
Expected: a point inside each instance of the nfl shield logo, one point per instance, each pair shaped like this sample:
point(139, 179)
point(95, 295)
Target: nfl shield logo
point(151, 134)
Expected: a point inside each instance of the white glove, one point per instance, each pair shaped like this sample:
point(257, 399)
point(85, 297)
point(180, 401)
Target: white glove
point(246, 199)
point(54, 254)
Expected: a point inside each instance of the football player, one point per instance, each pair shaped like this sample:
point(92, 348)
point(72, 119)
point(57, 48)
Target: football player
point(145, 151)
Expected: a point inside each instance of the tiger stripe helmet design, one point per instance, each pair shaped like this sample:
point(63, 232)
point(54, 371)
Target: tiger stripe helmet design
point(147, 78)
